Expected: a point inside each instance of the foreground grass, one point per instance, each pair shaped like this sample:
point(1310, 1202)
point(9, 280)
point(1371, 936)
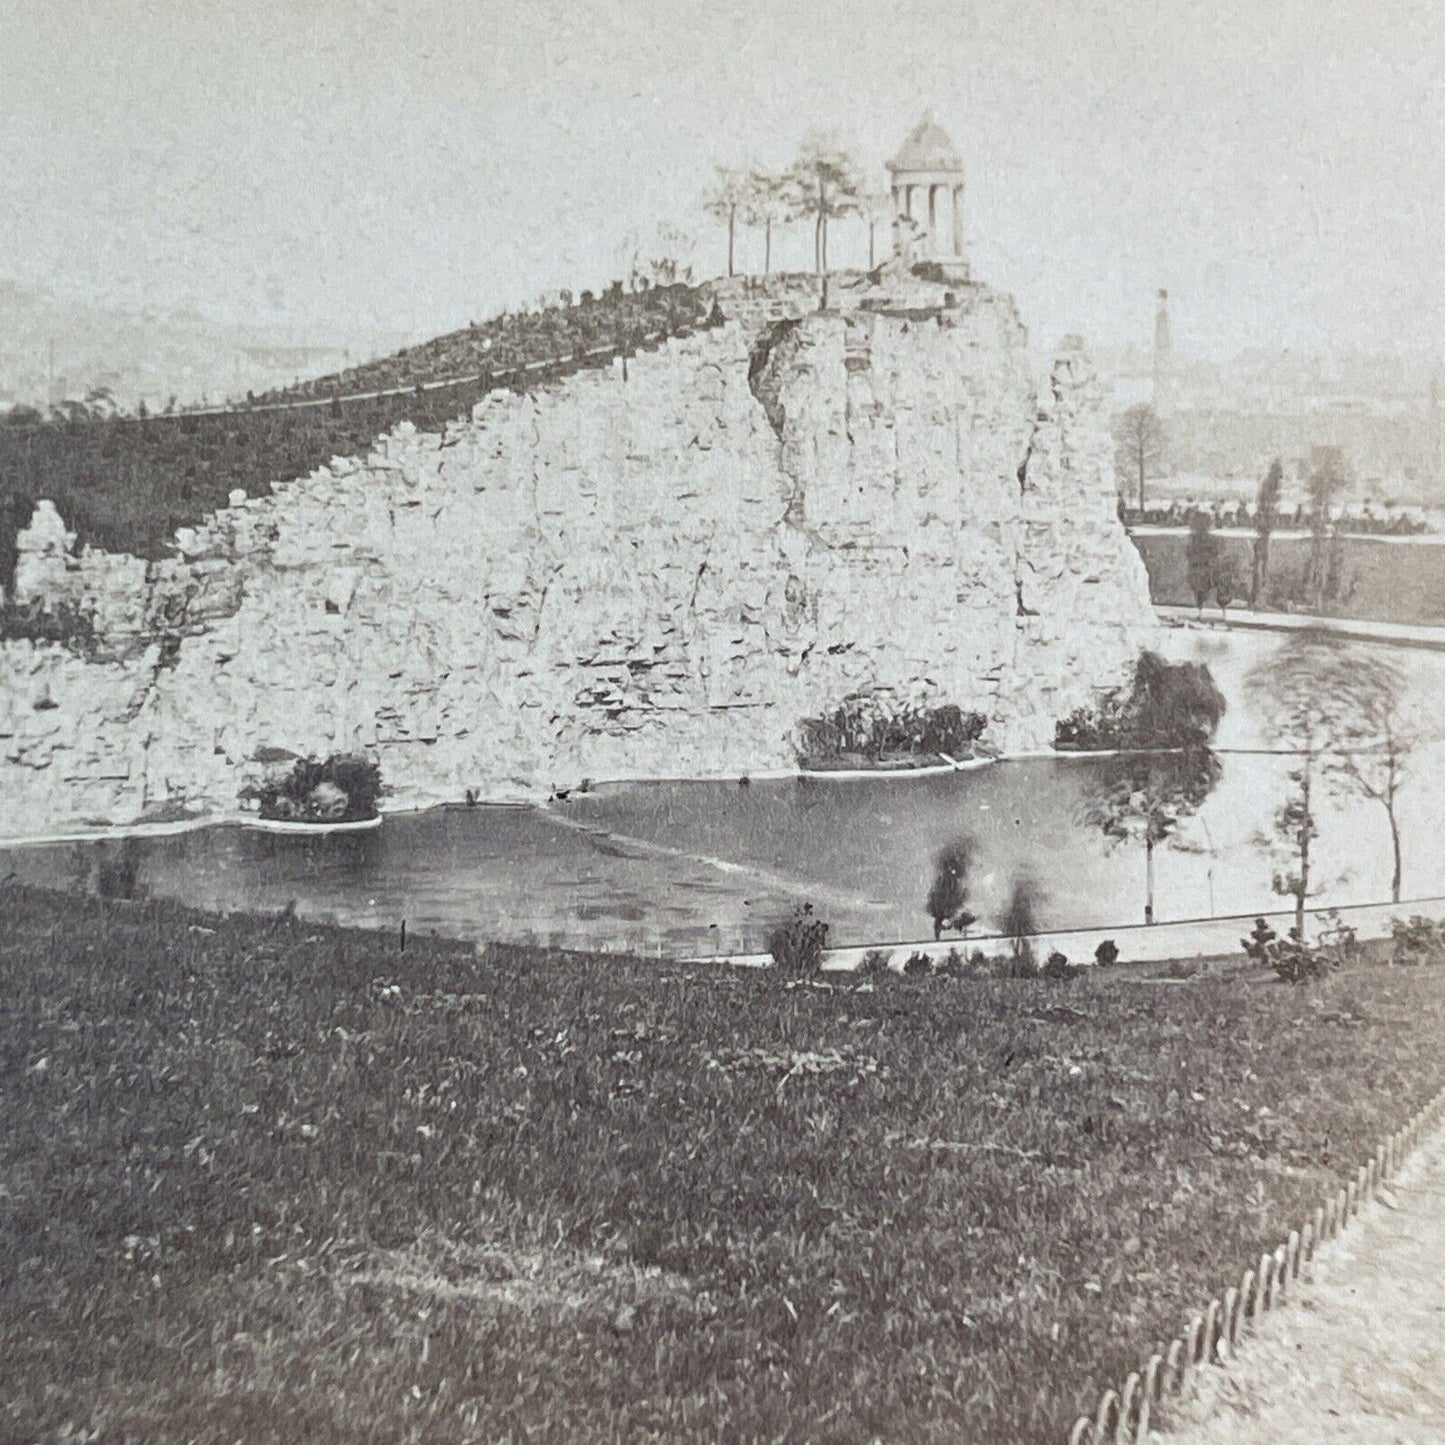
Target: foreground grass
point(273, 1181)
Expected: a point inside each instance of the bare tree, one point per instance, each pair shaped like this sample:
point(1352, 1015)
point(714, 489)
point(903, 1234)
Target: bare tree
point(825, 187)
point(726, 201)
point(1371, 733)
point(1266, 516)
point(878, 210)
point(1139, 442)
point(1342, 713)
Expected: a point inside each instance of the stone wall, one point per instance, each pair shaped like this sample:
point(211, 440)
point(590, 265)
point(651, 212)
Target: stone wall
point(656, 570)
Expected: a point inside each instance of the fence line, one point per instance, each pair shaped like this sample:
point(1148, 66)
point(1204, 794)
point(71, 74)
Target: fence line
point(1122, 1415)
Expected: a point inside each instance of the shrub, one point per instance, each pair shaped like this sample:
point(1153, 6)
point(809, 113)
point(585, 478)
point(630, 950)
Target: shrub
point(875, 964)
point(1167, 705)
point(948, 893)
point(1292, 958)
point(1417, 939)
point(917, 963)
point(345, 788)
point(1021, 923)
point(797, 943)
point(1106, 953)
point(1058, 966)
point(954, 965)
point(64, 623)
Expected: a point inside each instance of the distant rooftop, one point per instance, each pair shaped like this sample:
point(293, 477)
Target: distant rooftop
point(927, 148)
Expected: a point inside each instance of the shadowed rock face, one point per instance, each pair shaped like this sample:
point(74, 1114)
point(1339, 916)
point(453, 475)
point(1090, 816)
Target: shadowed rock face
point(655, 575)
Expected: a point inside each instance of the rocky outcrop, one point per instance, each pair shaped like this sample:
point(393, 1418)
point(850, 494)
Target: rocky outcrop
point(656, 570)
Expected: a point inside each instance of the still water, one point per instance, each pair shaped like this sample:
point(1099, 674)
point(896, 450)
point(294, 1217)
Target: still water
point(703, 867)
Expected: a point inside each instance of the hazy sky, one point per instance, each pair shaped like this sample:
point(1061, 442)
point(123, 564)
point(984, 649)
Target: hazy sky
point(1279, 166)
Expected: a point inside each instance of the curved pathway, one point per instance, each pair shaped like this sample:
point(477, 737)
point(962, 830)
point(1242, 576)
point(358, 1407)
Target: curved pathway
point(1358, 1356)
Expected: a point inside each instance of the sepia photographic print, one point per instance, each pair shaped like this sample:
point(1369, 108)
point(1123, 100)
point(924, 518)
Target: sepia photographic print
point(722, 723)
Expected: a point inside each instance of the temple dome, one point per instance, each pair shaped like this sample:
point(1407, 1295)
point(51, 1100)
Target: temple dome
point(927, 148)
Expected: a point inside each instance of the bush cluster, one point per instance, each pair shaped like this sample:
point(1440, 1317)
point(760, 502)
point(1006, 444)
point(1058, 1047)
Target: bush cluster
point(864, 726)
point(1417, 939)
point(65, 623)
point(797, 943)
point(344, 788)
point(1293, 958)
point(1166, 705)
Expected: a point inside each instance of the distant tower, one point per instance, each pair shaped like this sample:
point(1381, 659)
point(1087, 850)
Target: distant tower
point(1163, 357)
point(926, 178)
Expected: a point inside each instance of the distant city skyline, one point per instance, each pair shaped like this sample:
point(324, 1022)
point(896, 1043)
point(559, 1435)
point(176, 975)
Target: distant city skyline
point(372, 165)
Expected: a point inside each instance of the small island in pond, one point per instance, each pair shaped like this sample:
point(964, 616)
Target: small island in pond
point(866, 733)
point(342, 791)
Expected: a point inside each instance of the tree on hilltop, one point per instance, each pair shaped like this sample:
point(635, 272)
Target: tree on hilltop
point(726, 201)
point(1139, 443)
point(765, 203)
point(878, 210)
point(825, 186)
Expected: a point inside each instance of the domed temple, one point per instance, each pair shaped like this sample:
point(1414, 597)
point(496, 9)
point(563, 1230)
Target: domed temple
point(927, 187)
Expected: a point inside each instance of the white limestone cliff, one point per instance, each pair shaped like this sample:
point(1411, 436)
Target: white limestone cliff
point(655, 574)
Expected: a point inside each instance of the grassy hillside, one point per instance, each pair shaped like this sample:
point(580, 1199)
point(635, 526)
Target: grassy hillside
point(275, 1181)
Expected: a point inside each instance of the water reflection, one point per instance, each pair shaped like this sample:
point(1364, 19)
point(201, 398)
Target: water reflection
point(708, 867)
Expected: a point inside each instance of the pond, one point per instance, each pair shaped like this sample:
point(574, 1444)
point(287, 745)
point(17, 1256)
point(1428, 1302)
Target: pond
point(704, 867)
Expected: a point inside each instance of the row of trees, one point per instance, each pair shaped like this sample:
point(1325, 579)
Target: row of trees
point(1210, 570)
point(823, 183)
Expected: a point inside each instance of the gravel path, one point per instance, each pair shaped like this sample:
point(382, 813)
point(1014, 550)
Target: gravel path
point(1358, 1358)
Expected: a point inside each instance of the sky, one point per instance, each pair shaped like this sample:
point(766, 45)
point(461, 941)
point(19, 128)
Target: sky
point(413, 164)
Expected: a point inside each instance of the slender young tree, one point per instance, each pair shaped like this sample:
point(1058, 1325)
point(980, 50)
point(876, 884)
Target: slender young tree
point(1369, 733)
point(877, 209)
point(1328, 476)
point(1139, 445)
point(1266, 516)
point(1020, 921)
point(1343, 715)
point(1202, 559)
point(765, 205)
point(726, 201)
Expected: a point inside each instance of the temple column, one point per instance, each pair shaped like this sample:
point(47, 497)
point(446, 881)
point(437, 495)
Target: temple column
point(958, 220)
point(932, 219)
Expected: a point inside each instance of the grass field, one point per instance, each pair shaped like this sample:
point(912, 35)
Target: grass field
point(1380, 580)
point(265, 1180)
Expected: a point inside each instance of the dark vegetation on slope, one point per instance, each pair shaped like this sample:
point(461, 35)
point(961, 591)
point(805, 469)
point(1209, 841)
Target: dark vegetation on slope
point(273, 1180)
point(126, 483)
